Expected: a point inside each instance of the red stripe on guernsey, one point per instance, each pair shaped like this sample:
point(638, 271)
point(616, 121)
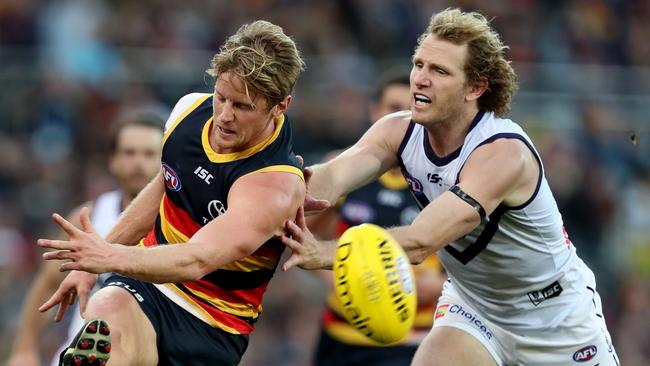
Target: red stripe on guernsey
point(252, 296)
point(179, 218)
point(231, 321)
point(150, 239)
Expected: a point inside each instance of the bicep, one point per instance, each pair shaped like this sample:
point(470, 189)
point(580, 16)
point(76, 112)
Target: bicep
point(498, 172)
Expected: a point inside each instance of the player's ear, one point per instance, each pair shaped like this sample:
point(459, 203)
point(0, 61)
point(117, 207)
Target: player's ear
point(476, 88)
point(281, 107)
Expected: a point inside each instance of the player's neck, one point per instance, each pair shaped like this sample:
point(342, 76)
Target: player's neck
point(447, 136)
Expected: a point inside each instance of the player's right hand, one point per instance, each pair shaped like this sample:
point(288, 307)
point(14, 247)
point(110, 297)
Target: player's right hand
point(76, 283)
point(24, 358)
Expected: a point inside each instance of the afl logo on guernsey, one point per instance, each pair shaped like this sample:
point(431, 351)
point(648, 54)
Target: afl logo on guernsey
point(414, 184)
point(171, 178)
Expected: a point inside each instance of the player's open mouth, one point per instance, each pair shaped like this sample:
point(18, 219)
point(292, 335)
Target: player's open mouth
point(421, 99)
point(225, 131)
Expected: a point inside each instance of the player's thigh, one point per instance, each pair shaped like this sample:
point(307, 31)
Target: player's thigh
point(133, 335)
point(450, 346)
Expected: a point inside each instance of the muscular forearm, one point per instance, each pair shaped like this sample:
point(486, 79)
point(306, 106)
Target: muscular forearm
point(136, 221)
point(173, 262)
point(350, 170)
point(322, 185)
point(441, 222)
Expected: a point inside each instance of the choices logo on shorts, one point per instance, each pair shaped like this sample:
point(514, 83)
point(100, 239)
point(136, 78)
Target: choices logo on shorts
point(457, 309)
point(441, 311)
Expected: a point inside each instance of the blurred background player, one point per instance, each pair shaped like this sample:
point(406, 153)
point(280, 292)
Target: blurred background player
point(135, 146)
point(386, 202)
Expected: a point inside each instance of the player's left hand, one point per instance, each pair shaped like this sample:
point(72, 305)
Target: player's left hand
point(84, 251)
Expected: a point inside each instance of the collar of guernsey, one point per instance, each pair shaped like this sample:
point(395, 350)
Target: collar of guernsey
point(222, 158)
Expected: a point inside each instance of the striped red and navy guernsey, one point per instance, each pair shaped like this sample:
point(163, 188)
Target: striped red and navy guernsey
point(197, 184)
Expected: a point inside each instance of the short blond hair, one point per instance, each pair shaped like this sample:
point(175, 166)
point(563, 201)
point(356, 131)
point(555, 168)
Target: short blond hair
point(485, 57)
point(265, 59)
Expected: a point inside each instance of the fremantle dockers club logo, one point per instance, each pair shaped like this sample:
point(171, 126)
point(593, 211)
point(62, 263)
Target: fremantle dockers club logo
point(171, 178)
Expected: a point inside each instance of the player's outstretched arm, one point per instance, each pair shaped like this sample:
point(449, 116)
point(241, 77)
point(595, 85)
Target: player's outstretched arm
point(366, 160)
point(504, 171)
point(258, 206)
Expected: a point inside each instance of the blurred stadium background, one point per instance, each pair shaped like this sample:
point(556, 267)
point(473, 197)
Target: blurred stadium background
point(67, 68)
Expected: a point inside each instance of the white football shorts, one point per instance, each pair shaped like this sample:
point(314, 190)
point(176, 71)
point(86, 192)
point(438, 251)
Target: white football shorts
point(581, 339)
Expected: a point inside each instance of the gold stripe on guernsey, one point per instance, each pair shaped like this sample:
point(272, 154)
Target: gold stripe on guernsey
point(184, 114)
point(393, 180)
point(251, 263)
point(277, 168)
point(172, 235)
point(203, 312)
point(244, 310)
point(225, 158)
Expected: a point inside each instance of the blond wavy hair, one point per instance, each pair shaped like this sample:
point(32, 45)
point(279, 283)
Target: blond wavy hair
point(485, 57)
point(266, 60)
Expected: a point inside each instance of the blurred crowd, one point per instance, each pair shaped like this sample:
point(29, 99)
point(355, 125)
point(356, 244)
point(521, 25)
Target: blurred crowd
point(69, 68)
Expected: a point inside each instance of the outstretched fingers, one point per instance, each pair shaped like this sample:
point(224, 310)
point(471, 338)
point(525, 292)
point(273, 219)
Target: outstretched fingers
point(294, 230)
point(84, 296)
point(86, 225)
point(300, 218)
point(67, 227)
point(293, 241)
point(68, 300)
point(59, 297)
point(53, 244)
point(293, 261)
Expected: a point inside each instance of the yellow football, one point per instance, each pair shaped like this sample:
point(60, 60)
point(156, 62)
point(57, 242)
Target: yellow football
point(374, 282)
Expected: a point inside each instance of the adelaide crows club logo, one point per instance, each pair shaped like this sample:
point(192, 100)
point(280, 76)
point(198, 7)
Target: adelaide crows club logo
point(171, 178)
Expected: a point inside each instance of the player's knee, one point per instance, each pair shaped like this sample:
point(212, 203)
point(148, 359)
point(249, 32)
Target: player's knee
point(107, 303)
point(450, 347)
